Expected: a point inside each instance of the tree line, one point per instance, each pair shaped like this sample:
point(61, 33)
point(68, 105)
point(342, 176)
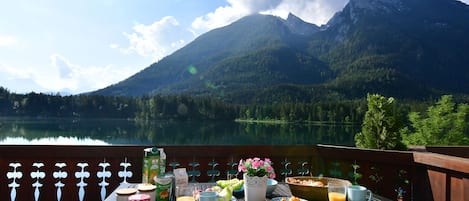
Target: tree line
point(177, 107)
point(385, 124)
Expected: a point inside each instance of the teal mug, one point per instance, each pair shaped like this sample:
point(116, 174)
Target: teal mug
point(358, 193)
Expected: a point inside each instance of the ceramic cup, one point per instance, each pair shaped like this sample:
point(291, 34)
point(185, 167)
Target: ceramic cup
point(358, 193)
point(209, 196)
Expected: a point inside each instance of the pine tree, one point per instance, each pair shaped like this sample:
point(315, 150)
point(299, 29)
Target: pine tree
point(381, 125)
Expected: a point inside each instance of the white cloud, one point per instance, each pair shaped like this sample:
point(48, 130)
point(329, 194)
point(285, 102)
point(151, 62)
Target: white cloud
point(18, 80)
point(156, 40)
point(225, 15)
point(7, 40)
point(65, 75)
point(313, 11)
point(465, 1)
point(8, 72)
point(114, 46)
point(61, 75)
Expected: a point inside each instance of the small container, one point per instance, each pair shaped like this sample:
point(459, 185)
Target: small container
point(139, 197)
point(163, 187)
point(123, 194)
point(148, 189)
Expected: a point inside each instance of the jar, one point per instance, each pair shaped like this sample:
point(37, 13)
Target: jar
point(163, 187)
point(148, 189)
point(139, 197)
point(123, 194)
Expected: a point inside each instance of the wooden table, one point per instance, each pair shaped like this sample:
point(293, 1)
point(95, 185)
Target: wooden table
point(282, 190)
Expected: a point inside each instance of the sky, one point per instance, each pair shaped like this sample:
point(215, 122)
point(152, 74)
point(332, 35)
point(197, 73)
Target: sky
point(77, 46)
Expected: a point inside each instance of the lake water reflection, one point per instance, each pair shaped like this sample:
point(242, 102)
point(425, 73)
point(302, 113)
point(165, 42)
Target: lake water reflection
point(112, 131)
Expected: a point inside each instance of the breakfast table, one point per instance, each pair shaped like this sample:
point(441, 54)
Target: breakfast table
point(282, 190)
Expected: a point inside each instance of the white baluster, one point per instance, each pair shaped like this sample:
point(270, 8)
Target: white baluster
point(14, 175)
point(82, 175)
point(125, 174)
point(60, 175)
point(37, 175)
point(103, 174)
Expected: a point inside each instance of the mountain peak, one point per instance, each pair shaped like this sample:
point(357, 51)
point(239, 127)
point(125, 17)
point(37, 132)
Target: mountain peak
point(298, 26)
point(291, 17)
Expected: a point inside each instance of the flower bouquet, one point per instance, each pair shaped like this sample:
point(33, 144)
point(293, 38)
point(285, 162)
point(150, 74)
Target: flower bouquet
point(256, 172)
point(257, 167)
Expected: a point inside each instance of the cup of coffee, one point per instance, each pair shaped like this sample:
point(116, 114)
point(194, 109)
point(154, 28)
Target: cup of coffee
point(358, 193)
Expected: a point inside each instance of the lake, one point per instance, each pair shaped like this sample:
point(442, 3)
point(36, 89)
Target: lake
point(119, 131)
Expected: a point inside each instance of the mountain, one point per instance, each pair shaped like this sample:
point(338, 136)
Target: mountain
point(398, 47)
point(255, 52)
point(401, 48)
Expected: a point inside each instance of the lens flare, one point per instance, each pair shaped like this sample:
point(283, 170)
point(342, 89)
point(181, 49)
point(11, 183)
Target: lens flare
point(192, 70)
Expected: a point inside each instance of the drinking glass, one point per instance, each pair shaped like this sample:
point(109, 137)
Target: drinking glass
point(185, 193)
point(337, 191)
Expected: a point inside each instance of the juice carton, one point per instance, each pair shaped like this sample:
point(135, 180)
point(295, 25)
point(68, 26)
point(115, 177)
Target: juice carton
point(151, 165)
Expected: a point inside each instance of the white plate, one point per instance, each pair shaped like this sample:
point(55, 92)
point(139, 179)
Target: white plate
point(286, 198)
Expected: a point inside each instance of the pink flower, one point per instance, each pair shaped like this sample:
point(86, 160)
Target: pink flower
point(257, 167)
point(242, 168)
point(272, 175)
point(256, 164)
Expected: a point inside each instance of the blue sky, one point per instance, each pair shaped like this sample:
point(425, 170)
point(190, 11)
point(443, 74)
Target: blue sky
point(79, 46)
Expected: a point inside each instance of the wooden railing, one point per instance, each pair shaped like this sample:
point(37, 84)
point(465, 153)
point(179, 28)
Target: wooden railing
point(92, 172)
point(445, 177)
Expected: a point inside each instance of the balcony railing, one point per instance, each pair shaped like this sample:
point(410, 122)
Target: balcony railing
point(93, 172)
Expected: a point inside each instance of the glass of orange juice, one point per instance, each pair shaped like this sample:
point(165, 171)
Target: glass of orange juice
point(337, 191)
point(185, 193)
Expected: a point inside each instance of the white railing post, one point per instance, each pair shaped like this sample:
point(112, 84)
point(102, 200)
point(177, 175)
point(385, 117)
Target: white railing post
point(14, 175)
point(82, 175)
point(103, 174)
point(124, 173)
point(37, 175)
point(60, 175)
